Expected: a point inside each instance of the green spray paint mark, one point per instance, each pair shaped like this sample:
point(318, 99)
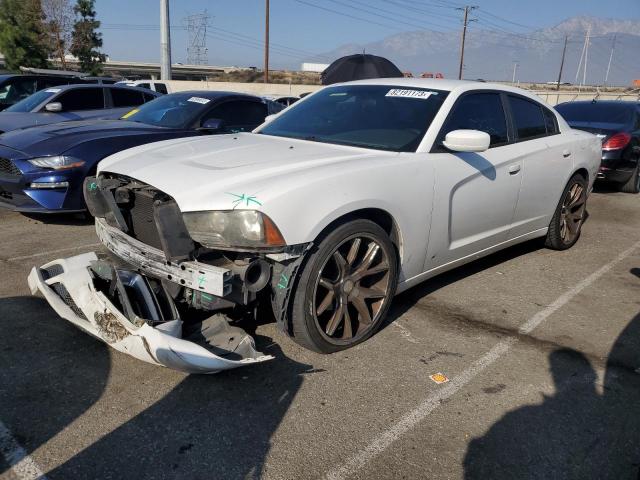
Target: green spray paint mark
point(207, 297)
point(201, 281)
point(244, 199)
point(284, 281)
point(93, 186)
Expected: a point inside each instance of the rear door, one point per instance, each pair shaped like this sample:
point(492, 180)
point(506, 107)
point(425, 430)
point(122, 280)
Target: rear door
point(475, 193)
point(546, 166)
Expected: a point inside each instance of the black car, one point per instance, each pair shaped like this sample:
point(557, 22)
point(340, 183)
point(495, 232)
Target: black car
point(14, 88)
point(42, 168)
point(617, 123)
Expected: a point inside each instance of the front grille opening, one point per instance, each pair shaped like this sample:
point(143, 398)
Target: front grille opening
point(9, 168)
point(63, 293)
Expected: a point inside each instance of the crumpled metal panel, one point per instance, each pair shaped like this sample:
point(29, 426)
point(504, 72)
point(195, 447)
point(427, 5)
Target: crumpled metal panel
point(160, 344)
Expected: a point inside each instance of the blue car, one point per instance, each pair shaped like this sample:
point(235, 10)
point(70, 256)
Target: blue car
point(66, 103)
point(42, 168)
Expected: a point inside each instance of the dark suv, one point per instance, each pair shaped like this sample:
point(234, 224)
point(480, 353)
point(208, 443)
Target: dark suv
point(617, 123)
point(14, 88)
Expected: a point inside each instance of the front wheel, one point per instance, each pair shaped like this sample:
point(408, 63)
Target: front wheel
point(566, 224)
point(345, 288)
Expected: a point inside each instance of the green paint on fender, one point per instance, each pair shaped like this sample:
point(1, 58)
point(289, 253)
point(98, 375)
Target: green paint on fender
point(244, 199)
point(284, 281)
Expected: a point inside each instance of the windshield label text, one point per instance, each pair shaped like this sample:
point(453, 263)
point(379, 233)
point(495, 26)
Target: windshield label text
point(405, 93)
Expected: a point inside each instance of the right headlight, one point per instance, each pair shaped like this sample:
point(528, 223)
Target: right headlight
point(233, 229)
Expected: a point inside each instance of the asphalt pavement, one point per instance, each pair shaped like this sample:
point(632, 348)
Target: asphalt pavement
point(541, 350)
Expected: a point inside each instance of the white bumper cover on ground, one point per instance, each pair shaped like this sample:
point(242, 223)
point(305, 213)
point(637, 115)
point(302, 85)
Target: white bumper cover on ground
point(92, 311)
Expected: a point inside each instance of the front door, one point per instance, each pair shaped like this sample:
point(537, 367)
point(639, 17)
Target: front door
point(475, 193)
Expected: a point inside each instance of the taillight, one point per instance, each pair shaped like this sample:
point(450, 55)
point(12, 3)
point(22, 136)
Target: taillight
point(617, 141)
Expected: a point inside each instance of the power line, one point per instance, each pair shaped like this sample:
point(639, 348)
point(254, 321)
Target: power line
point(395, 14)
point(347, 15)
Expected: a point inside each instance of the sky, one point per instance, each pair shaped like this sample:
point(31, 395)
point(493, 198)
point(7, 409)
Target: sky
point(300, 30)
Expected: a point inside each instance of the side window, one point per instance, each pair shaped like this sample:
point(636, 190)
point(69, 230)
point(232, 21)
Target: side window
point(17, 89)
point(528, 118)
point(148, 97)
point(161, 88)
point(82, 99)
point(144, 85)
point(239, 114)
point(550, 121)
point(479, 111)
point(125, 98)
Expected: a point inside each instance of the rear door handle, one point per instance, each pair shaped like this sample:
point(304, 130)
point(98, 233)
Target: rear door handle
point(514, 169)
point(566, 153)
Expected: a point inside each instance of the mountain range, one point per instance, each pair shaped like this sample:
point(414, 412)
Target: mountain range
point(492, 53)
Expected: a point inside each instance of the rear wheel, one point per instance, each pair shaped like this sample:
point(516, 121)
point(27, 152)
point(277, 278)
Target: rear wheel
point(345, 288)
point(633, 184)
point(566, 224)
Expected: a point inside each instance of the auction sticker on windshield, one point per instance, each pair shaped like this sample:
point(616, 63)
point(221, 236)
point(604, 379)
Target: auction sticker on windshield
point(199, 100)
point(408, 93)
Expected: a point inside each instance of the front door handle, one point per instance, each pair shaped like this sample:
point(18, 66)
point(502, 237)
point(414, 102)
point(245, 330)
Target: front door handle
point(566, 153)
point(514, 169)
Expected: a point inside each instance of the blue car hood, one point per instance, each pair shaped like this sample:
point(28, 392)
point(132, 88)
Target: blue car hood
point(16, 120)
point(58, 138)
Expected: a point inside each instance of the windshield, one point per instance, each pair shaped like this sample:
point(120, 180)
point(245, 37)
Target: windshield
point(620, 113)
point(370, 116)
point(32, 101)
point(178, 110)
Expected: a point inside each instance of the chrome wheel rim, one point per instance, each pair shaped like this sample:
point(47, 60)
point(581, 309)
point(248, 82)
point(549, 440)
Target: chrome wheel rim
point(572, 213)
point(351, 289)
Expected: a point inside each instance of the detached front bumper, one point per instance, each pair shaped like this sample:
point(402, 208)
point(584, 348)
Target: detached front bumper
point(84, 291)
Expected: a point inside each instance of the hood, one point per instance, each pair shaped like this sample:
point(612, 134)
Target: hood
point(204, 172)
point(58, 138)
point(16, 120)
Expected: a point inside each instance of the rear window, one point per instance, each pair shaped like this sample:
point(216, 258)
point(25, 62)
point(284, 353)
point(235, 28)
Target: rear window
point(620, 113)
point(126, 98)
point(528, 118)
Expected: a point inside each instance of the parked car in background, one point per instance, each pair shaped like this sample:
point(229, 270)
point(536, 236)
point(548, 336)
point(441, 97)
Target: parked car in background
point(73, 102)
point(160, 87)
point(617, 124)
point(42, 168)
point(357, 192)
point(284, 100)
point(14, 88)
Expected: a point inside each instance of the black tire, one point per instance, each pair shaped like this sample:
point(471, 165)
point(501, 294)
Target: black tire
point(557, 238)
point(633, 184)
point(305, 317)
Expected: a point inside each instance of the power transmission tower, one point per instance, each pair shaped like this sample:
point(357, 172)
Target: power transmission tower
point(586, 56)
point(515, 71)
point(465, 23)
point(197, 48)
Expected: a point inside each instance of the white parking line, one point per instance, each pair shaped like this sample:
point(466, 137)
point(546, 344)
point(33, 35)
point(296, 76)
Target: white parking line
point(418, 414)
point(50, 252)
point(22, 464)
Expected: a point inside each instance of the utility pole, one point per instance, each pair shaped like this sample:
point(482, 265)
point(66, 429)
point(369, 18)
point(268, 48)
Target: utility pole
point(515, 69)
point(165, 41)
point(266, 42)
point(465, 23)
point(564, 50)
point(613, 46)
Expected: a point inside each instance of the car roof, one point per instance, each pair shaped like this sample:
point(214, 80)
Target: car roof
point(445, 85)
point(214, 94)
point(75, 86)
point(631, 104)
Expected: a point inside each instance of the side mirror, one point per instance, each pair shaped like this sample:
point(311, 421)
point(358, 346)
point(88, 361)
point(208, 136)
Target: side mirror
point(467, 141)
point(53, 107)
point(212, 125)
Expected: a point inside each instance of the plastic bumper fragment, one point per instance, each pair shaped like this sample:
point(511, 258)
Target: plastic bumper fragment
point(85, 292)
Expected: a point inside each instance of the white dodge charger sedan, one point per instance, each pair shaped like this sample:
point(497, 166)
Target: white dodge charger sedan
point(355, 193)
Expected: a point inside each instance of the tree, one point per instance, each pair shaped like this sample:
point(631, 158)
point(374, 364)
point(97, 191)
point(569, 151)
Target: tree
point(85, 38)
point(59, 22)
point(22, 37)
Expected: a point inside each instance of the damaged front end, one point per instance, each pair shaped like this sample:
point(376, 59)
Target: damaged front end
point(135, 315)
point(152, 308)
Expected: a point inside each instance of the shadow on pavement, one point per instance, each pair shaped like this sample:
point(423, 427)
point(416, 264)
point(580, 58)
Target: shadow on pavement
point(50, 372)
point(575, 433)
point(61, 218)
